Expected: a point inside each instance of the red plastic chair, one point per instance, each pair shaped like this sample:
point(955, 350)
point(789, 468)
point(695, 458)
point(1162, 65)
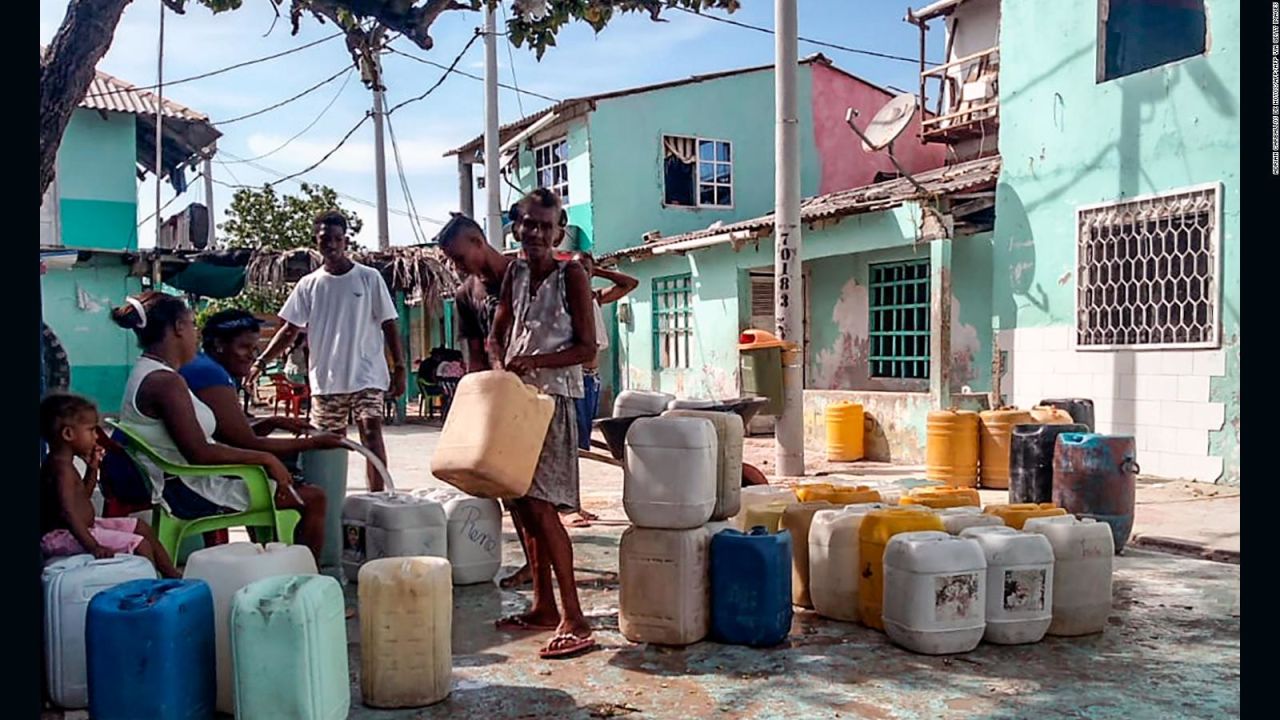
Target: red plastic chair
point(291, 394)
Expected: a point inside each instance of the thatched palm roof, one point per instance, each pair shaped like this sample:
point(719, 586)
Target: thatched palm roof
point(422, 273)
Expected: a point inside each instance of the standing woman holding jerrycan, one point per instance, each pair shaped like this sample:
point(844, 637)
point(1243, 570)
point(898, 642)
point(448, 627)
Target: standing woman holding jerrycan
point(543, 330)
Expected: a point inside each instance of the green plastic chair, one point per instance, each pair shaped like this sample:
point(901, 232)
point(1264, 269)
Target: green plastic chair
point(270, 523)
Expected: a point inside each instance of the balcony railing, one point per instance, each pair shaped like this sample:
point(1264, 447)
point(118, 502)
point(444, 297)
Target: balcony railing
point(968, 98)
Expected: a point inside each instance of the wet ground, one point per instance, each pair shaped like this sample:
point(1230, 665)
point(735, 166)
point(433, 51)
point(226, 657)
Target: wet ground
point(1172, 648)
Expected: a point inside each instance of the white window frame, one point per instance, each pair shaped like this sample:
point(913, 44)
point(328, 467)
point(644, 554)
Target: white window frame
point(697, 173)
point(52, 198)
point(561, 189)
point(1215, 265)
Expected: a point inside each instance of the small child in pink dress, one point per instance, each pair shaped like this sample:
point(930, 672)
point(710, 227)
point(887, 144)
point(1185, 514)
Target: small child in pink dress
point(69, 424)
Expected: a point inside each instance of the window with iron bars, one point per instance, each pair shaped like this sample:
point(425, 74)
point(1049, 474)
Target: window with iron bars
point(899, 306)
point(672, 322)
point(1147, 272)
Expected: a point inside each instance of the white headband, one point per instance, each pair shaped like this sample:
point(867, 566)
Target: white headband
point(142, 311)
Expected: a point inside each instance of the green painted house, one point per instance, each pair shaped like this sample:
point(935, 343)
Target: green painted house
point(663, 160)
point(1117, 237)
point(89, 224)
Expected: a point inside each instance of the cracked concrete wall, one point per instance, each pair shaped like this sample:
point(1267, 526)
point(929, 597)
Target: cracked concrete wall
point(840, 330)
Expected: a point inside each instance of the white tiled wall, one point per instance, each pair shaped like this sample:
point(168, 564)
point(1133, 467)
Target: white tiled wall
point(1160, 397)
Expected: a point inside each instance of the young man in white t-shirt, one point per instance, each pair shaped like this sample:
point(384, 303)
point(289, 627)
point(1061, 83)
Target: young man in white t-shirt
point(349, 318)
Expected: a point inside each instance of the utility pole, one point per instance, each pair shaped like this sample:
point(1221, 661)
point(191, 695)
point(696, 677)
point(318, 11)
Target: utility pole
point(789, 288)
point(379, 149)
point(159, 122)
point(492, 183)
point(208, 195)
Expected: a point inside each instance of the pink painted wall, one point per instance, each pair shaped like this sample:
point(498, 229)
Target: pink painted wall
point(844, 163)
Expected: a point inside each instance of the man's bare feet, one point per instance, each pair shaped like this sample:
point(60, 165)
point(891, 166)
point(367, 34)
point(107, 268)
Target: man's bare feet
point(534, 620)
point(519, 578)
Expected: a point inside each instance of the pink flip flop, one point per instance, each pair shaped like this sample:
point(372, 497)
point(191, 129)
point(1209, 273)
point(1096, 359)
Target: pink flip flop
point(578, 645)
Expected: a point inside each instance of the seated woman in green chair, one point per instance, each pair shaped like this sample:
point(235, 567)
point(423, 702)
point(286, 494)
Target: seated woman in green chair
point(160, 408)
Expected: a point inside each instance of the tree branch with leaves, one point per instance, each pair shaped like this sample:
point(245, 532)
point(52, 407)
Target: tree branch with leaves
point(67, 66)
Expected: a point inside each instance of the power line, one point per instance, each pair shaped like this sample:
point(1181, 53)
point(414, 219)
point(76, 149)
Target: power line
point(511, 58)
point(304, 130)
point(282, 103)
point(229, 68)
point(418, 234)
point(453, 67)
point(343, 141)
point(271, 171)
point(466, 74)
point(172, 199)
point(811, 41)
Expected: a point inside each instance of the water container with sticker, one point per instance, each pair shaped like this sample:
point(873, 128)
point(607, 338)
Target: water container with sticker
point(935, 592)
point(70, 583)
point(1019, 584)
point(391, 524)
point(151, 651)
point(1083, 553)
point(669, 479)
point(877, 528)
point(289, 649)
point(406, 621)
point(227, 569)
point(833, 560)
point(729, 443)
point(751, 587)
point(663, 595)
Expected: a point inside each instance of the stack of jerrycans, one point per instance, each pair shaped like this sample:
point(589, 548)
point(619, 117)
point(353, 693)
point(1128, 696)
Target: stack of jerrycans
point(682, 471)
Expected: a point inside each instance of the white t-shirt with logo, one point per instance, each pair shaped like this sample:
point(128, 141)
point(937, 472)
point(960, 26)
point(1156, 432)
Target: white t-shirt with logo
point(343, 316)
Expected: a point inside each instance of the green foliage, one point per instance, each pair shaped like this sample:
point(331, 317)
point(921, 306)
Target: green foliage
point(263, 219)
point(413, 18)
point(254, 300)
point(540, 34)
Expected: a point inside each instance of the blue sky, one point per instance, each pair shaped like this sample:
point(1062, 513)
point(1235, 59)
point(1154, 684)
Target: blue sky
point(631, 51)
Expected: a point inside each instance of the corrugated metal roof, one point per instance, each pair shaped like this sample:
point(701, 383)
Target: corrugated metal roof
point(112, 94)
point(506, 132)
point(868, 198)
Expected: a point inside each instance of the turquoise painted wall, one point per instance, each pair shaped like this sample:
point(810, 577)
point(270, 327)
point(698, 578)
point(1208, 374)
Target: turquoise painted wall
point(626, 157)
point(580, 190)
point(836, 258)
point(97, 181)
point(77, 307)
point(1068, 141)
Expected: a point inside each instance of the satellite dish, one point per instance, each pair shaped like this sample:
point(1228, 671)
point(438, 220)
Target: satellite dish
point(889, 123)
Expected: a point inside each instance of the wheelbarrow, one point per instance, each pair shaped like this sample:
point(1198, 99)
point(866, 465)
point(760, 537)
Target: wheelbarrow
point(615, 429)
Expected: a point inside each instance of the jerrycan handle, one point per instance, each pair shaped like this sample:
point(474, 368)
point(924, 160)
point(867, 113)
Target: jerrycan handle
point(758, 530)
point(1130, 466)
point(150, 596)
